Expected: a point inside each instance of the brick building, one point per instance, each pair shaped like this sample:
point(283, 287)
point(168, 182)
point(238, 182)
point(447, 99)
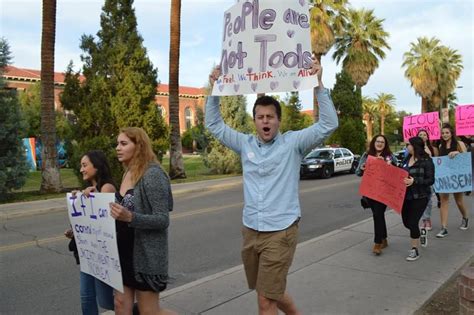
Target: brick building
point(190, 98)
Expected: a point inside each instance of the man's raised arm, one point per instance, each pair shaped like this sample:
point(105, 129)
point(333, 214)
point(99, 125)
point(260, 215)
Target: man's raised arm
point(214, 122)
point(328, 121)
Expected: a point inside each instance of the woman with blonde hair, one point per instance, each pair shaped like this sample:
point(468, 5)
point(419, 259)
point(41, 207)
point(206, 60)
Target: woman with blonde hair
point(141, 211)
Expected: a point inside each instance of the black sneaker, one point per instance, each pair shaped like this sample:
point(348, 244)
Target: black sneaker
point(413, 254)
point(442, 233)
point(423, 237)
point(464, 224)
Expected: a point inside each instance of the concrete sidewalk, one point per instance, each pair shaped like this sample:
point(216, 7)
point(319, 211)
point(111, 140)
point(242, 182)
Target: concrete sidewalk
point(20, 209)
point(336, 273)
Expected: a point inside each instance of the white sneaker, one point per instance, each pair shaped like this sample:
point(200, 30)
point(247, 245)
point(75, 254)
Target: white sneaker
point(413, 254)
point(423, 237)
point(464, 224)
point(442, 233)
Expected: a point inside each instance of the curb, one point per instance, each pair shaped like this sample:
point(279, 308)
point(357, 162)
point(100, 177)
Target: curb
point(54, 209)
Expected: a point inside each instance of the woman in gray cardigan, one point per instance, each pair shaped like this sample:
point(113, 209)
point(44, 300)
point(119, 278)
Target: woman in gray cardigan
point(141, 211)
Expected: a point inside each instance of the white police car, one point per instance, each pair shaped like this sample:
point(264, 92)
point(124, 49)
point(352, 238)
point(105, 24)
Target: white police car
point(323, 162)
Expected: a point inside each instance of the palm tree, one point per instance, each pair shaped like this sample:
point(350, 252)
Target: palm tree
point(327, 21)
point(50, 179)
point(361, 45)
point(384, 104)
point(368, 115)
point(450, 69)
point(421, 63)
point(176, 150)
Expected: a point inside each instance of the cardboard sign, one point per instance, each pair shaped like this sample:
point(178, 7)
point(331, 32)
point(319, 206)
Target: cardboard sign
point(427, 121)
point(453, 174)
point(384, 183)
point(96, 239)
point(465, 120)
point(266, 47)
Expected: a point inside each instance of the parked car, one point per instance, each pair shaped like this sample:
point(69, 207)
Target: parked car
point(323, 162)
point(400, 155)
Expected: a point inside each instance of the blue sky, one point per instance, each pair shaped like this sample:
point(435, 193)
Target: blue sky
point(451, 21)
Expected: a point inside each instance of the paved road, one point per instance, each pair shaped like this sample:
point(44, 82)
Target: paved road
point(38, 274)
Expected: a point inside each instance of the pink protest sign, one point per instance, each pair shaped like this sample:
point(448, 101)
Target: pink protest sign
point(384, 183)
point(465, 120)
point(427, 121)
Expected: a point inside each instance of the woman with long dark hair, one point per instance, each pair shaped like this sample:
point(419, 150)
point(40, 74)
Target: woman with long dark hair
point(426, 218)
point(420, 168)
point(96, 173)
point(379, 149)
point(451, 147)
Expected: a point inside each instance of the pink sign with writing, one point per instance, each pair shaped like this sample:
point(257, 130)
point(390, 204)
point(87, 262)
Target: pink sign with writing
point(465, 120)
point(427, 121)
point(384, 183)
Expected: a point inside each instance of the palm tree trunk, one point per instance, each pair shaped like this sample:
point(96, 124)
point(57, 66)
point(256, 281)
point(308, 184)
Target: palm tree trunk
point(176, 150)
point(50, 179)
point(424, 105)
point(315, 96)
point(370, 127)
point(382, 124)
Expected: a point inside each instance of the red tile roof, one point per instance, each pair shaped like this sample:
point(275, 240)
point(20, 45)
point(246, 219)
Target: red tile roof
point(22, 74)
point(30, 75)
point(183, 90)
point(308, 112)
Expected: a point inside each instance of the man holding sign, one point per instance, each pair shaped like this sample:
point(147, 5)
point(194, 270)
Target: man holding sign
point(271, 163)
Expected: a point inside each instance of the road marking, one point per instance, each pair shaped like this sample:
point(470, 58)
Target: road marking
point(53, 239)
point(172, 216)
point(32, 243)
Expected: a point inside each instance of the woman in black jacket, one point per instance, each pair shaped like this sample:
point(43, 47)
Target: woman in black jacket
point(380, 149)
point(420, 178)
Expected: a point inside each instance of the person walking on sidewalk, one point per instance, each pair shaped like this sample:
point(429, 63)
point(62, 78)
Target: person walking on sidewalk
point(451, 147)
point(141, 212)
point(420, 168)
point(96, 172)
point(380, 149)
point(431, 151)
point(271, 164)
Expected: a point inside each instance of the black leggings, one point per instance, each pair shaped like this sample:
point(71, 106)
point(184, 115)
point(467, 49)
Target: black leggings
point(378, 213)
point(411, 213)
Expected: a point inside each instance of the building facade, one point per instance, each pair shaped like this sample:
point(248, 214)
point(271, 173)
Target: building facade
point(190, 98)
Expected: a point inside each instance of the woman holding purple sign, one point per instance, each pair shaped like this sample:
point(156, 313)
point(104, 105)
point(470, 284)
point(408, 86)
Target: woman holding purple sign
point(451, 147)
point(96, 172)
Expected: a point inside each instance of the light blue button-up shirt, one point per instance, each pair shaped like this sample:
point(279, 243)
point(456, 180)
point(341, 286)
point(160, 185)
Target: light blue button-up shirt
point(271, 170)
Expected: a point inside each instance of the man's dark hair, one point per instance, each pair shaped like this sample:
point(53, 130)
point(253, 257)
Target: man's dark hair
point(267, 101)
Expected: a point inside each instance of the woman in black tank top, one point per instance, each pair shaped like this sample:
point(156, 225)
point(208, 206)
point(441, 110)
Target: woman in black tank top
point(451, 147)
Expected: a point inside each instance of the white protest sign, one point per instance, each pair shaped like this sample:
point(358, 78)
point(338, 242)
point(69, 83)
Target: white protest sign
point(96, 239)
point(266, 47)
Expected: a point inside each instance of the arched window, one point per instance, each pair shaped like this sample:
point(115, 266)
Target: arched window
point(188, 116)
point(161, 110)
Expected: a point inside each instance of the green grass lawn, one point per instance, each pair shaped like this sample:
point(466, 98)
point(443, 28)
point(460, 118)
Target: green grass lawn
point(193, 165)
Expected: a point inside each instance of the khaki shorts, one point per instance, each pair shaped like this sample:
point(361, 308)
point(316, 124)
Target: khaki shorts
point(267, 256)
